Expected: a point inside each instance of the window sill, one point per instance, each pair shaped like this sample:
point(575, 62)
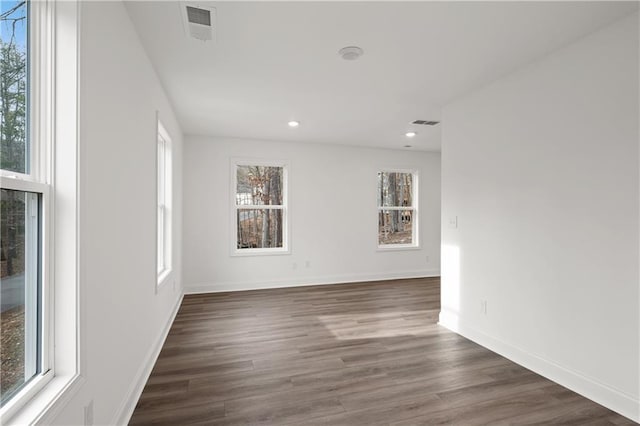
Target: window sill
point(47, 403)
point(397, 247)
point(260, 252)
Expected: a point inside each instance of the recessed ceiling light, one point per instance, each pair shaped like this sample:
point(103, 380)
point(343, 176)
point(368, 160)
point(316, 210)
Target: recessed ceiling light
point(293, 123)
point(410, 134)
point(407, 146)
point(350, 53)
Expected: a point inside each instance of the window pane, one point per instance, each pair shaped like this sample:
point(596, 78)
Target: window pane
point(161, 225)
point(19, 289)
point(395, 189)
point(161, 185)
point(395, 227)
point(259, 185)
point(161, 170)
point(14, 147)
point(259, 228)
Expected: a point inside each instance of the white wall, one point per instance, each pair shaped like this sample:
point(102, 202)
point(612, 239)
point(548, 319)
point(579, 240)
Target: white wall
point(332, 194)
point(541, 169)
point(122, 317)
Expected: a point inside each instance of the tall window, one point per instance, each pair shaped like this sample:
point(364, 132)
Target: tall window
point(164, 203)
point(24, 215)
point(260, 208)
point(397, 209)
point(39, 334)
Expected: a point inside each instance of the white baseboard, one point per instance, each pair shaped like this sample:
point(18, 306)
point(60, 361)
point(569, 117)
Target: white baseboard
point(217, 287)
point(123, 415)
point(616, 400)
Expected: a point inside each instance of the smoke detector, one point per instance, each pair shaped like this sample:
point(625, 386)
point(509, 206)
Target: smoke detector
point(198, 21)
point(350, 53)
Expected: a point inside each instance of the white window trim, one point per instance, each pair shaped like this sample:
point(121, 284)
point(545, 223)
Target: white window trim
point(415, 226)
point(166, 239)
point(37, 180)
point(286, 246)
point(55, 27)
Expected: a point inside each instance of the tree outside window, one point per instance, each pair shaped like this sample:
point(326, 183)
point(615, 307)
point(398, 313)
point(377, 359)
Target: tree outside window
point(397, 209)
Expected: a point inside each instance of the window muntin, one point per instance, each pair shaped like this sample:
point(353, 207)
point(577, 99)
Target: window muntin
point(397, 209)
point(163, 203)
point(260, 216)
point(25, 141)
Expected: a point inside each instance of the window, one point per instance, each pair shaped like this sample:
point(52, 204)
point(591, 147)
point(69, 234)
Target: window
point(164, 203)
point(259, 208)
point(24, 200)
point(39, 334)
point(397, 209)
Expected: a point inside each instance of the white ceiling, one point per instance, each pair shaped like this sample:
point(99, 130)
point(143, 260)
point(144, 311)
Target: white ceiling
point(278, 61)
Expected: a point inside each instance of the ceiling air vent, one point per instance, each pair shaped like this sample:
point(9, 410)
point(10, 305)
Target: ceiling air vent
point(425, 122)
point(198, 16)
point(199, 21)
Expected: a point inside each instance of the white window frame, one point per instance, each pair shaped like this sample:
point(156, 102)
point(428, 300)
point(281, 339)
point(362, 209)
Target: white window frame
point(415, 222)
point(38, 180)
point(53, 134)
point(285, 249)
point(164, 195)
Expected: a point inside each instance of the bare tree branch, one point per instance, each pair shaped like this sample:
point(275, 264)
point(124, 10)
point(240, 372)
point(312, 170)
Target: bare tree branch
point(4, 16)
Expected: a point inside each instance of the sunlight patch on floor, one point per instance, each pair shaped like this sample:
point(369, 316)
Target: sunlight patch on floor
point(379, 325)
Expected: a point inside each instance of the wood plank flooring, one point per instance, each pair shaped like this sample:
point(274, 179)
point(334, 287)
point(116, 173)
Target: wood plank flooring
point(351, 354)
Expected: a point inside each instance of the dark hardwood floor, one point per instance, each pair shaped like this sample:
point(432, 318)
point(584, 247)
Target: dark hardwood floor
point(351, 354)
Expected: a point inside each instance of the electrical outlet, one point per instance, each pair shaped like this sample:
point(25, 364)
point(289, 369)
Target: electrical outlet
point(427, 259)
point(88, 414)
point(307, 264)
point(483, 307)
point(295, 265)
